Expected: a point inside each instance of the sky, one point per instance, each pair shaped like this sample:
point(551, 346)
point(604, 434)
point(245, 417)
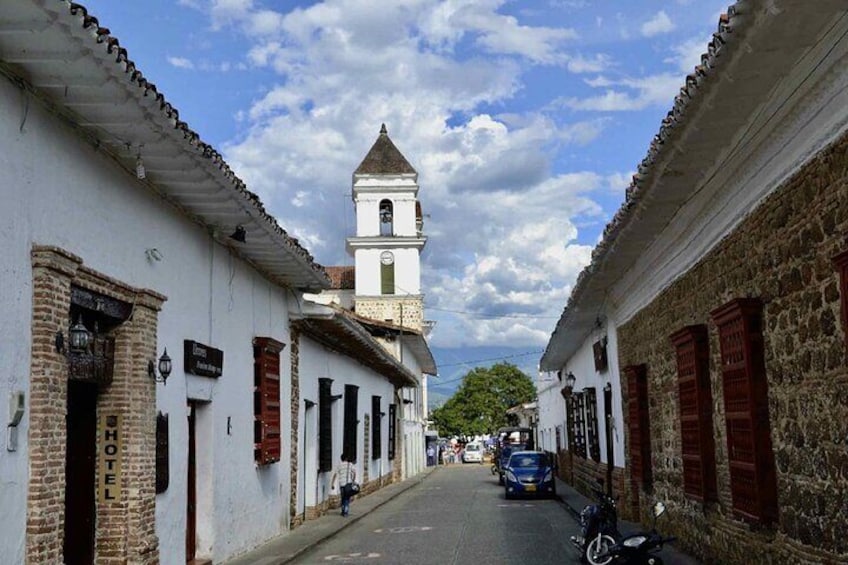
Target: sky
point(524, 119)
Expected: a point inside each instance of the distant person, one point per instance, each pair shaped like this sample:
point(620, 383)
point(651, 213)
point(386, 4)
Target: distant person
point(344, 477)
point(431, 456)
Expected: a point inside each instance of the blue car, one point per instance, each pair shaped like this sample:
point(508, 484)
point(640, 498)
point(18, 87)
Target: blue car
point(529, 473)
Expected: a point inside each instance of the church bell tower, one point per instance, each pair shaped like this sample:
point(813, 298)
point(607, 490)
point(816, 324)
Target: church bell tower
point(389, 237)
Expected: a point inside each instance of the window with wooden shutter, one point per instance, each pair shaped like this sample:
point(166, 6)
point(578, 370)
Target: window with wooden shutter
point(753, 482)
point(376, 428)
point(841, 264)
point(325, 425)
point(692, 348)
point(266, 400)
point(578, 409)
point(162, 458)
point(599, 352)
point(638, 424)
point(392, 428)
point(387, 279)
point(351, 421)
point(591, 400)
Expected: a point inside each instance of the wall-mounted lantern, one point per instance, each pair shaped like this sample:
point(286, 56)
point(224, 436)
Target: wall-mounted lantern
point(164, 368)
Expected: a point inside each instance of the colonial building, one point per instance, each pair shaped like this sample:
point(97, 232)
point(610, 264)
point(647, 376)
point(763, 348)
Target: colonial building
point(163, 373)
point(720, 290)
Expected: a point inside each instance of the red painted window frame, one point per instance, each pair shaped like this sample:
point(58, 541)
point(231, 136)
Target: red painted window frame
point(753, 479)
point(692, 352)
point(840, 261)
point(267, 424)
point(639, 424)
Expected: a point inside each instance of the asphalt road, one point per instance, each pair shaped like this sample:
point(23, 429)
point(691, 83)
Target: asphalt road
point(458, 515)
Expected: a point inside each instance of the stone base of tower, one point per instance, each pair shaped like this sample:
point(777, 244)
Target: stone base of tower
point(406, 311)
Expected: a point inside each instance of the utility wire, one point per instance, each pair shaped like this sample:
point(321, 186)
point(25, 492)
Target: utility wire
point(525, 354)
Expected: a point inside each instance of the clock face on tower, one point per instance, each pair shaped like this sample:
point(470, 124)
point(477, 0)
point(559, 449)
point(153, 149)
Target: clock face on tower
point(387, 258)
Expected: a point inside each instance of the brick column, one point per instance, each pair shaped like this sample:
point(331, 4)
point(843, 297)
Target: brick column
point(52, 272)
point(126, 530)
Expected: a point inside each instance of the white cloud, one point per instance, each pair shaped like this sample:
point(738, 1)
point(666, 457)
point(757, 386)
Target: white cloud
point(688, 54)
point(503, 233)
point(640, 93)
point(181, 62)
point(657, 25)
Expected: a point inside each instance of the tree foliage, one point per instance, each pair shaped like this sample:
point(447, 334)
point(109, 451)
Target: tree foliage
point(479, 405)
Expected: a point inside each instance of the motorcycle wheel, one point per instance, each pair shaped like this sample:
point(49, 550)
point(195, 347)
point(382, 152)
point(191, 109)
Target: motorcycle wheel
point(599, 545)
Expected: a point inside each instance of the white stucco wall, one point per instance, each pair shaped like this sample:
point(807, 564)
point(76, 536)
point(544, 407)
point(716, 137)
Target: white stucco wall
point(368, 272)
point(60, 191)
point(401, 190)
point(582, 365)
point(316, 362)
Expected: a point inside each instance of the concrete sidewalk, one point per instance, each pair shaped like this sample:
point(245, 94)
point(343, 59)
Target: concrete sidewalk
point(289, 545)
point(575, 501)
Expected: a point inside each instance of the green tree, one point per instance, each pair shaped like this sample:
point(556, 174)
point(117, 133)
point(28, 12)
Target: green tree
point(479, 405)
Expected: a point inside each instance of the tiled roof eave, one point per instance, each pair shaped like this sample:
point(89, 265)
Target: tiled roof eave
point(150, 125)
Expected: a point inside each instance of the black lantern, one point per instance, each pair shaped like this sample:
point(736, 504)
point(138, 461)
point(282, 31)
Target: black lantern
point(164, 368)
point(78, 337)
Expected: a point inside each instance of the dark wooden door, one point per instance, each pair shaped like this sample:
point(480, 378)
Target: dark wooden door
point(191, 507)
point(80, 467)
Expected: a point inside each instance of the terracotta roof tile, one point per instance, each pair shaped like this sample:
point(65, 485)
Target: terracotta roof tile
point(342, 278)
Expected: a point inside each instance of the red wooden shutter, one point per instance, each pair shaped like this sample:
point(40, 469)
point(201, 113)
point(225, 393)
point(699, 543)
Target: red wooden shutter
point(266, 400)
point(696, 412)
point(638, 423)
point(841, 264)
point(753, 483)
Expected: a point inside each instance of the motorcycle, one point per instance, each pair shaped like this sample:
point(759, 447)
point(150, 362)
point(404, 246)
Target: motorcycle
point(636, 549)
point(599, 526)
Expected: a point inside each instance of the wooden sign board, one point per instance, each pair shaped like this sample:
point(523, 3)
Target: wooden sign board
point(110, 442)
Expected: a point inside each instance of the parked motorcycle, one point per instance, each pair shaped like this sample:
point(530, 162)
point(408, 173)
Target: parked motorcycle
point(599, 526)
point(636, 549)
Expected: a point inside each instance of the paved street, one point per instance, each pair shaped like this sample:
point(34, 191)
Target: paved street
point(458, 515)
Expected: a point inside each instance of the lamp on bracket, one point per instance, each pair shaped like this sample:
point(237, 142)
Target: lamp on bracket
point(164, 368)
point(239, 234)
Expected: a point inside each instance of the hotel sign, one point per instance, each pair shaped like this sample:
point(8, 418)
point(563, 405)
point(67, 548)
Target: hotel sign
point(110, 440)
point(202, 360)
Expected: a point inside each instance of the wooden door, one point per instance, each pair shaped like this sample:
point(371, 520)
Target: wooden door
point(80, 468)
point(191, 505)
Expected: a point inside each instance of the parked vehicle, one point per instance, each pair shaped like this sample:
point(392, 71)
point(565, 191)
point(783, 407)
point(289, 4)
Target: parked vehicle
point(529, 473)
point(599, 526)
point(510, 440)
point(636, 549)
point(473, 453)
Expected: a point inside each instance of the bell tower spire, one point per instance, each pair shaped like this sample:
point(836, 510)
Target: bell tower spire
point(389, 236)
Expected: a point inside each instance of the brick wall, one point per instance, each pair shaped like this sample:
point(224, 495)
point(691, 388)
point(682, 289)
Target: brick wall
point(295, 425)
point(781, 254)
point(125, 530)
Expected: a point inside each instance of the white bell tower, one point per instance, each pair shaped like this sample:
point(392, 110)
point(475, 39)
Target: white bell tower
point(389, 239)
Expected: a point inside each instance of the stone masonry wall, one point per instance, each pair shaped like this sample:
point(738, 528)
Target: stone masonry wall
point(406, 311)
point(295, 519)
point(782, 254)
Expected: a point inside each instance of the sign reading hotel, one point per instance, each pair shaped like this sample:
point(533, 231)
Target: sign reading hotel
point(202, 360)
point(110, 440)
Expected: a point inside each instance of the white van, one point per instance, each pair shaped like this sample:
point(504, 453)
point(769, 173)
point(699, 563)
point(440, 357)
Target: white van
point(473, 453)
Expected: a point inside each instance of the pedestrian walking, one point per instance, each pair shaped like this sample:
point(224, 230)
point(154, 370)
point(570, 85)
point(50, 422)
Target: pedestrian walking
point(431, 456)
point(344, 477)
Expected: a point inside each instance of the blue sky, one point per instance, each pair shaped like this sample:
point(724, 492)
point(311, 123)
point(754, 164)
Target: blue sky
point(525, 120)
